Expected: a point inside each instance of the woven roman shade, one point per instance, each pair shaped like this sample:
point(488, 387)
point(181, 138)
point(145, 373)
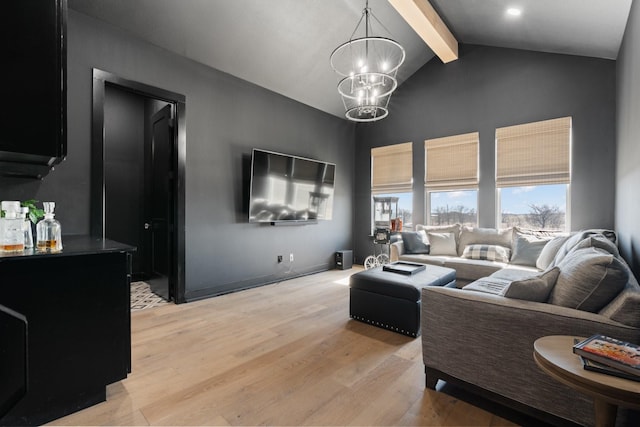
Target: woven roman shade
point(451, 163)
point(392, 168)
point(534, 154)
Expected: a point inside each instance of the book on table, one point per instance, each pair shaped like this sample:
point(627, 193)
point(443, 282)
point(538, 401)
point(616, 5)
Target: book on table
point(613, 353)
point(593, 366)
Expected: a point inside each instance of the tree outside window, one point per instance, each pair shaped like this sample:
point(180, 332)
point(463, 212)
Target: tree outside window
point(453, 207)
point(541, 207)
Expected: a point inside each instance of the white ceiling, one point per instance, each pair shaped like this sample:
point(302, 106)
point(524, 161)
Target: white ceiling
point(284, 45)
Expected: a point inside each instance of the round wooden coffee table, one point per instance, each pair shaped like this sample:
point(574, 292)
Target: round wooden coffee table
point(554, 355)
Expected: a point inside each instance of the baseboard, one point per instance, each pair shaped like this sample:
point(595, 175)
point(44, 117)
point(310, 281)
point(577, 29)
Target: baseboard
point(217, 290)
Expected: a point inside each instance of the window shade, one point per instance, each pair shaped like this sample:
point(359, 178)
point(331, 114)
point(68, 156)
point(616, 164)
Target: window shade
point(392, 168)
point(451, 162)
point(534, 153)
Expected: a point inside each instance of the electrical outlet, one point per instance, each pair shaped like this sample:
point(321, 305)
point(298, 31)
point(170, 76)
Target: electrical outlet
point(279, 258)
point(291, 257)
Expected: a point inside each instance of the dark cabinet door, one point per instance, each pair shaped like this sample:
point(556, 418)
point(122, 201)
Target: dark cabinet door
point(33, 86)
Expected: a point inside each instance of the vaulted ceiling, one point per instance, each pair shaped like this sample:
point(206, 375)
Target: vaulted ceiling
point(284, 45)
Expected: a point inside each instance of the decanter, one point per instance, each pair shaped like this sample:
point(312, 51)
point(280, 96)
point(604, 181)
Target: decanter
point(49, 231)
point(11, 228)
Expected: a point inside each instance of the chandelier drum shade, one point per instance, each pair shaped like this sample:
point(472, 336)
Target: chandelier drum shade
point(367, 67)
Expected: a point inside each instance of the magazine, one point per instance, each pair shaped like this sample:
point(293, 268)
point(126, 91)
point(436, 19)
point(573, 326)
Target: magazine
point(594, 366)
point(621, 355)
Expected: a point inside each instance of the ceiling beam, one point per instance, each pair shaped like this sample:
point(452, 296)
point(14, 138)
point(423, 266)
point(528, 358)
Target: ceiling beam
point(425, 21)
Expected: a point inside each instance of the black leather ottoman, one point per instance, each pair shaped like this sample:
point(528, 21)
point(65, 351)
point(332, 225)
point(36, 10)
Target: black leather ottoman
point(392, 300)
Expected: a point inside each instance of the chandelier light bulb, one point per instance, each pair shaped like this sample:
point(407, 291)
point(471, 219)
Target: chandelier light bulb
point(366, 87)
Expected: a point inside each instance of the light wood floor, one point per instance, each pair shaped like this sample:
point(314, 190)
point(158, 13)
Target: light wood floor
point(282, 354)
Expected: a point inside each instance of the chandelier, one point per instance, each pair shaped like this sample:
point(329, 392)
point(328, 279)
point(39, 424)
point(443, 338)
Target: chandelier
point(367, 66)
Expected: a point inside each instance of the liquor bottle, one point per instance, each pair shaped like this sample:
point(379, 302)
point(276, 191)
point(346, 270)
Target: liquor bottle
point(26, 228)
point(11, 228)
point(49, 231)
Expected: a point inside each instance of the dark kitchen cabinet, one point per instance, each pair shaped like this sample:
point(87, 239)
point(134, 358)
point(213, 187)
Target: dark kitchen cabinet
point(75, 306)
point(33, 110)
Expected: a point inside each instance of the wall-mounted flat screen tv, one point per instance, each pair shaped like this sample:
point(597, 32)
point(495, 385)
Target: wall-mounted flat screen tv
point(290, 188)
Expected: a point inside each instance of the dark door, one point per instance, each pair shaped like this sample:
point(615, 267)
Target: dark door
point(159, 217)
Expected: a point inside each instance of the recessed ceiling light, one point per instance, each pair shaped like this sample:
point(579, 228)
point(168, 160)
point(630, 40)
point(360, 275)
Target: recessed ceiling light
point(514, 11)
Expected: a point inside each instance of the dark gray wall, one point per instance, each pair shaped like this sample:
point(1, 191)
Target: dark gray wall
point(226, 118)
point(628, 134)
point(493, 87)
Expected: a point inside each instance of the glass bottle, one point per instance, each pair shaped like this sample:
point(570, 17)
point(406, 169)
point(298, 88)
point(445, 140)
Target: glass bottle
point(11, 228)
point(49, 231)
point(26, 228)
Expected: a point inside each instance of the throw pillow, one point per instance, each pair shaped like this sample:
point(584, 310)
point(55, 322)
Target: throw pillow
point(527, 250)
point(549, 252)
point(589, 279)
point(576, 238)
point(442, 244)
point(415, 242)
point(601, 242)
point(485, 236)
point(487, 252)
point(535, 288)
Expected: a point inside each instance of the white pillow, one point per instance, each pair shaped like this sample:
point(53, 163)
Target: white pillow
point(442, 244)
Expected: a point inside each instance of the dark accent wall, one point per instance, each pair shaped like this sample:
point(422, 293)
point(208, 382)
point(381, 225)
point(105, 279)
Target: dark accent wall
point(226, 118)
point(489, 88)
point(627, 205)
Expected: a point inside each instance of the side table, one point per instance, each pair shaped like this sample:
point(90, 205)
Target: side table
point(554, 355)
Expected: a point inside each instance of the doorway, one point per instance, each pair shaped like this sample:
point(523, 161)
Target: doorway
point(137, 186)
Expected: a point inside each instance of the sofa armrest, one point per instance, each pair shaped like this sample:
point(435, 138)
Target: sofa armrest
point(396, 249)
point(487, 340)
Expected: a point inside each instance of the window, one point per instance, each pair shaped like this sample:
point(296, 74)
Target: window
point(451, 179)
point(453, 207)
point(540, 207)
point(392, 176)
point(533, 173)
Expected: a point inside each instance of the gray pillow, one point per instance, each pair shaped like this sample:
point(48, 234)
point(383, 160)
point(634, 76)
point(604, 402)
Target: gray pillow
point(576, 238)
point(599, 241)
point(548, 253)
point(442, 244)
point(415, 242)
point(536, 288)
point(589, 279)
point(527, 249)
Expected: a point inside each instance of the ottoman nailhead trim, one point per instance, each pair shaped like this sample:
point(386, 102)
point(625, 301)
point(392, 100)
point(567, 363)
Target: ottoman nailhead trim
point(389, 327)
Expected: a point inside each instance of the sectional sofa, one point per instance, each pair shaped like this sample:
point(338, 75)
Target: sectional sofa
point(480, 334)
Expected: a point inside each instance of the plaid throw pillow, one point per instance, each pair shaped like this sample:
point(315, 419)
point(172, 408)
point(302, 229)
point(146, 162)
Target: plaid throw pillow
point(487, 252)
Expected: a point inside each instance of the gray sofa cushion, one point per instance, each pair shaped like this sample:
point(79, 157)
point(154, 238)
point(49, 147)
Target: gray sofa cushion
point(625, 308)
point(548, 253)
point(415, 242)
point(485, 236)
point(589, 279)
point(442, 243)
point(472, 269)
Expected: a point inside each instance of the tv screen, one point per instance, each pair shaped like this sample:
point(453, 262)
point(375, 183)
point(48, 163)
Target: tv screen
point(290, 188)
